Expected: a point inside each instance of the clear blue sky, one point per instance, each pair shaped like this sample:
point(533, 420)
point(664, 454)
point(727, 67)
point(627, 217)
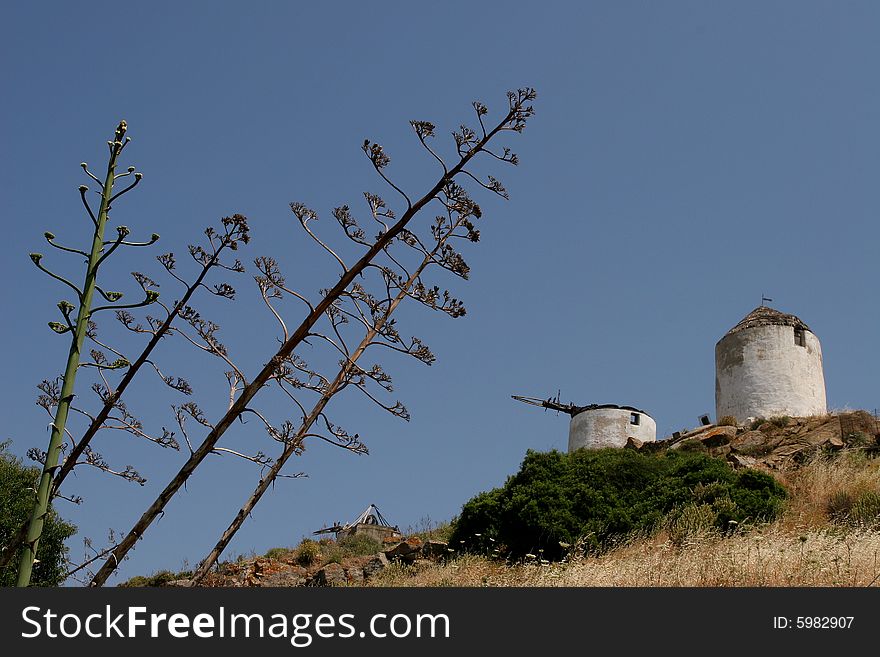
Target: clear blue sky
point(685, 158)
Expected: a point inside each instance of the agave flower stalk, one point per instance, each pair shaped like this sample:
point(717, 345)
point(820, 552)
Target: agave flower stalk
point(78, 329)
point(469, 144)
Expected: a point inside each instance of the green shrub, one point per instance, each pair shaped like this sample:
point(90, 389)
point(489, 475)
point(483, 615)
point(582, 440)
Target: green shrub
point(359, 545)
point(156, 579)
point(727, 421)
point(865, 511)
point(692, 445)
point(857, 509)
point(691, 521)
point(430, 531)
point(278, 553)
point(335, 555)
point(859, 439)
point(307, 552)
point(17, 483)
point(599, 496)
point(780, 421)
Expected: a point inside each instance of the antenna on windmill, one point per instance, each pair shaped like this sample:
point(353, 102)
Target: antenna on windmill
point(765, 299)
point(557, 400)
point(551, 403)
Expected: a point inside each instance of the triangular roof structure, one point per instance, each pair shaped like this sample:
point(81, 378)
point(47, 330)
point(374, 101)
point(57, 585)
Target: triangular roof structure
point(767, 316)
point(369, 516)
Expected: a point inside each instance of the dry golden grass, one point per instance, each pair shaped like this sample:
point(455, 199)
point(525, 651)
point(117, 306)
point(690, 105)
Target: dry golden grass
point(801, 548)
point(813, 485)
point(770, 558)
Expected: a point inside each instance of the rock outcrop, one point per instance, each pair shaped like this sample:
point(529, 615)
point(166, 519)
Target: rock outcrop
point(770, 444)
point(342, 571)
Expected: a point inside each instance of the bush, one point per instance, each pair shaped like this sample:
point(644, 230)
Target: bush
point(430, 531)
point(859, 439)
point(359, 545)
point(307, 552)
point(859, 509)
point(335, 555)
point(693, 521)
point(278, 553)
point(17, 482)
point(693, 445)
point(157, 579)
point(727, 421)
point(598, 497)
point(865, 511)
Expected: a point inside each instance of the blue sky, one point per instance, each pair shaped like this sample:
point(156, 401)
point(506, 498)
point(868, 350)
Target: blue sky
point(685, 158)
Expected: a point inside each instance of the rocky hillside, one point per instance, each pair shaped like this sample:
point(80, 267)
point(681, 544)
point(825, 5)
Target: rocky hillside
point(327, 567)
point(776, 442)
point(352, 561)
point(829, 534)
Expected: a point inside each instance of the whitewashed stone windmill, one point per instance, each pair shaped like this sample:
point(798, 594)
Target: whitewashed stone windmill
point(601, 425)
point(768, 365)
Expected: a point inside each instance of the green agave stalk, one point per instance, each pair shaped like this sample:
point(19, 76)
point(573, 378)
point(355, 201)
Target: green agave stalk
point(78, 329)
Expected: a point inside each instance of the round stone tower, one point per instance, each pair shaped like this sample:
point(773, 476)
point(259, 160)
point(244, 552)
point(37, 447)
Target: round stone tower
point(608, 425)
point(770, 364)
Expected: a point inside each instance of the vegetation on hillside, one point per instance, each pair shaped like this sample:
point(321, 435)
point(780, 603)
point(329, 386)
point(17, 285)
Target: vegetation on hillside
point(17, 485)
point(810, 543)
point(598, 497)
point(824, 532)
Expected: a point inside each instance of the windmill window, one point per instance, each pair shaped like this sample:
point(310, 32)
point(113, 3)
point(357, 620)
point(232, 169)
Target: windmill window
point(799, 338)
point(634, 418)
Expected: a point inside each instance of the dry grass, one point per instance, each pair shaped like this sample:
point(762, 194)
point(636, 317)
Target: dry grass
point(814, 485)
point(802, 548)
point(770, 558)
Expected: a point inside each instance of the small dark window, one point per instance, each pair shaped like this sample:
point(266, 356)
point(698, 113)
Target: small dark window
point(634, 418)
point(799, 338)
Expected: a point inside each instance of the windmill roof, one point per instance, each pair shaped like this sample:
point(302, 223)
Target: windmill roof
point(766, 316)
point(580, 409)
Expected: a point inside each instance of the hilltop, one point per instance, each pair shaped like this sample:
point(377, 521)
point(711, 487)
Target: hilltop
point(827, 535)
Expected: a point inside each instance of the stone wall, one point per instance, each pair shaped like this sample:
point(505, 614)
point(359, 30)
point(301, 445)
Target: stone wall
point(377, 532)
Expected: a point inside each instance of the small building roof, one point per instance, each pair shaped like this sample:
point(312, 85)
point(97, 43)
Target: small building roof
point(767, 316)
point(370, 516)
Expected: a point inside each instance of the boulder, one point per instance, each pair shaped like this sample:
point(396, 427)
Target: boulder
point(435, 549)
point(742, 461)
point(407, 551)
point(748, 441)
point(284, 578)
point(722, 450)
point(717, 436)
point(822, 434)
point(375, 566)
point(633, 443)
point(333, 574)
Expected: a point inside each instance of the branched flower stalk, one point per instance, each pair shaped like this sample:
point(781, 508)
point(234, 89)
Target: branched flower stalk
point(99, 252)
point(469, 143)
point(232, 233)
point(379, 331)
point(113, 413)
